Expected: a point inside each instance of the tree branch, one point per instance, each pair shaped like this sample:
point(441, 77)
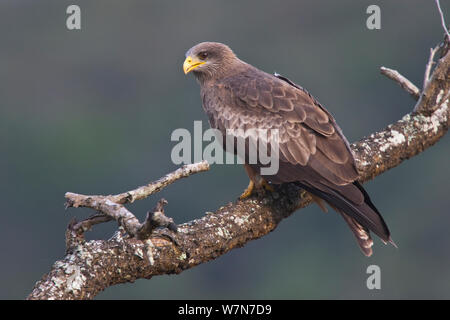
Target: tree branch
point(90, 267)
point(75, 200)
point(407, 85)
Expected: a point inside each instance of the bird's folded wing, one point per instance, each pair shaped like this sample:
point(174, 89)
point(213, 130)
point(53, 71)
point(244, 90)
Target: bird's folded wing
point(308, 134)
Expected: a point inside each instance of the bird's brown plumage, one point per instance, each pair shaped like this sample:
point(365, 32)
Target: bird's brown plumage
point(313, 152)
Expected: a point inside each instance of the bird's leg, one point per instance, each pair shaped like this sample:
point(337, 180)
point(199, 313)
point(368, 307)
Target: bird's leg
point(247, 192)
point(256, 182)
point(321, 203)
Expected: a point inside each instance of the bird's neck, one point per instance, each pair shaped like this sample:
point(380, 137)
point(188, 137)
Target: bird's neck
point(233, 67)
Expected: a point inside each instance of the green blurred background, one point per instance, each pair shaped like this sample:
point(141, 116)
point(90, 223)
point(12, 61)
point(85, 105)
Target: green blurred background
point(92, 111)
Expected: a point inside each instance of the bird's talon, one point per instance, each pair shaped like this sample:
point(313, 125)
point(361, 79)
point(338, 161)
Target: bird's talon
point(260, 189)
point(247, 192)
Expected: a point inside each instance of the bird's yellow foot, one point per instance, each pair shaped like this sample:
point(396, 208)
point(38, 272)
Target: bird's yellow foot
point(248, 192)
point(264, 185)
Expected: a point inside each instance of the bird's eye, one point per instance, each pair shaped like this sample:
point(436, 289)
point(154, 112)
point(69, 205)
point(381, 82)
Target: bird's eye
point(203, 55)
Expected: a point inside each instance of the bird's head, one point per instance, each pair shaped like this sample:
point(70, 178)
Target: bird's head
point(209, 60)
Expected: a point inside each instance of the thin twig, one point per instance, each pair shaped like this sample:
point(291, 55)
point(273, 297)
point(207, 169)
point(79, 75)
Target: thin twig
point(428, 67)
point(153, 187)
point(444, 25)
point(149, 189)
point(88, 223)
point(402, 81)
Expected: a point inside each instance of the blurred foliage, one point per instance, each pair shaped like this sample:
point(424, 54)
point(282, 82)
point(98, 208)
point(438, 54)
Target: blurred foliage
point(92, 111)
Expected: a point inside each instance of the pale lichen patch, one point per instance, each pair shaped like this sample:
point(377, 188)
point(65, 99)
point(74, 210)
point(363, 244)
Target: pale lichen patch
point(182, 230)
point(362, 163)
point(439, 96)
point(223, 232)
point(395, 139)
point(434, 122)
point(76, 280)
point(149, 248)
point(139, 253)
point(241, 220)
point(439, 116)
point(58, 282)
point(85, 256)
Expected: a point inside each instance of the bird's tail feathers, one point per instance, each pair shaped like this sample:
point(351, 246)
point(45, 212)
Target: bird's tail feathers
point(360, 217)
point(361, 234)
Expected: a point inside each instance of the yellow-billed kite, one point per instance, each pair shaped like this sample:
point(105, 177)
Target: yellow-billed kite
point(313, 152)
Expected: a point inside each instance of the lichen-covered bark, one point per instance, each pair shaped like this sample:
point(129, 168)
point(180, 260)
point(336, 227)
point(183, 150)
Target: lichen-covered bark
point(402, 140)
point(90, 267)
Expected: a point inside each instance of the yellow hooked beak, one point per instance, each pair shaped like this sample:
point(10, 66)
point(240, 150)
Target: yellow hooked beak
point(190, 64)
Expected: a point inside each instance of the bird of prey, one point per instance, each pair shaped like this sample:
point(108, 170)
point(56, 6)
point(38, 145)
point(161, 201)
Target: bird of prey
point(313, 152)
